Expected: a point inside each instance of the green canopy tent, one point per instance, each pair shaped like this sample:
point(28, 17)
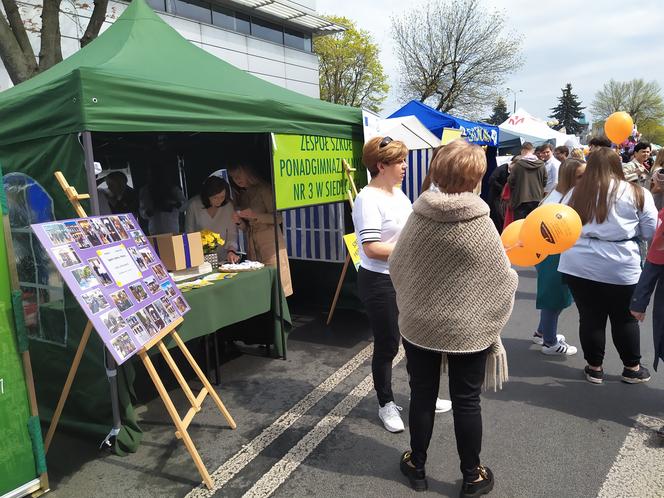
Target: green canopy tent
point(140, 75)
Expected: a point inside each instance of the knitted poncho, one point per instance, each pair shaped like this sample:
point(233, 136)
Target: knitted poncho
point(454, 284)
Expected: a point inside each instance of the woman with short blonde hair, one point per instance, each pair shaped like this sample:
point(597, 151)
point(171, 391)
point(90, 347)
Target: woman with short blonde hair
point(447, 260)
point(380, 211)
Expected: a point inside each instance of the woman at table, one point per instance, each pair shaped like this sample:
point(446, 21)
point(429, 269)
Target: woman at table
point(212, 210)
point(255, 215)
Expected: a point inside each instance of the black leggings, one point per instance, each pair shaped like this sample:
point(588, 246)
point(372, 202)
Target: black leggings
point(380, 302)
point(597, 301)
point(466, 372)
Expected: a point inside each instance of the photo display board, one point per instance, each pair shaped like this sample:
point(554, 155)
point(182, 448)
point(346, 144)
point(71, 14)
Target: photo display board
point(116, 277)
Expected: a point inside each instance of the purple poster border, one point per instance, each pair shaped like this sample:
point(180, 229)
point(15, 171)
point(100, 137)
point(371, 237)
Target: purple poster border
point(116, 277)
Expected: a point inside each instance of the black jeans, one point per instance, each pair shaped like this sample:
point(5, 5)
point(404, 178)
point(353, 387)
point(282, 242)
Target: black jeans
point(380, 301)
point(524, 209)
point(466, 372)
point(597, 301)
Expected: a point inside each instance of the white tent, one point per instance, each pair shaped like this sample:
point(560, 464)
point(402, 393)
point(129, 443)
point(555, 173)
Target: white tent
point(407, 129)
point(528, 128)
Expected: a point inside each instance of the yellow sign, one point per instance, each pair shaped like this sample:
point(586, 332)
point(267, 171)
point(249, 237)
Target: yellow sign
point(353, 249)
point(450, 134)
point(308, 169)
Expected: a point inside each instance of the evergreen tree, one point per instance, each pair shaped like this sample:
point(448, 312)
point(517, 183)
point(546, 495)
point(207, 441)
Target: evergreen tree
point(568, 111)
point(500, 113)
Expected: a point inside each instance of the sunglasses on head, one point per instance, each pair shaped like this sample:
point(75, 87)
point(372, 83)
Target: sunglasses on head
point(384, 142)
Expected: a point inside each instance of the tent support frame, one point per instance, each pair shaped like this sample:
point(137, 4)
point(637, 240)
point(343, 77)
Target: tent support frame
point(109, 361)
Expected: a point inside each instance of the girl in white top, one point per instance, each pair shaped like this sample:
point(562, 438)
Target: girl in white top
point(380, 212)
point(212, 210)
point(604, 265)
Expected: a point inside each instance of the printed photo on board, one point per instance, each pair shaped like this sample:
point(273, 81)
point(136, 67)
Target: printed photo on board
point(162, 312)
point(113, 321)
point(152, 285)
point(89, 232)
point(168, 306)
point(148, 257)
point(154, 316)
point(146, 322)
point(100, 230)
point(180, 304)
point(108, 224)
point(77, 234)
point(121, 300)
point(58, 234)
point(126, 222)
point(167, 287)
point(159, 272)
point(119, 228)
point(123, 345)
point(85, 277)
point(139, 238)
point(137, 258)
point(100, 271)
point(138, 291)
point(66, 256)
point(95, 301)
point(137, 328)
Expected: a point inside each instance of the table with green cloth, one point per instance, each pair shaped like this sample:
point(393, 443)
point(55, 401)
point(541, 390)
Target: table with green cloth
point(229, 301)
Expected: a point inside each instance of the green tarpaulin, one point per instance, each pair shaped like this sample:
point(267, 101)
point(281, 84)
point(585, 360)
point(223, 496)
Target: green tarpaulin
point(140, 75)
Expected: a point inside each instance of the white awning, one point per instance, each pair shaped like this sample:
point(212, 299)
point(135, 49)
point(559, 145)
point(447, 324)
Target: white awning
point(292, 13)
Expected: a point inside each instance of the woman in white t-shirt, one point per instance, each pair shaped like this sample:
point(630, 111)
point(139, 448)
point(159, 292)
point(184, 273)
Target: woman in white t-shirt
point(603, 267)
point(380, 212)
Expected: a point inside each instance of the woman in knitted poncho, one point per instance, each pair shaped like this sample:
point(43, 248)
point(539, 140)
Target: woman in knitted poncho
point(455, 291)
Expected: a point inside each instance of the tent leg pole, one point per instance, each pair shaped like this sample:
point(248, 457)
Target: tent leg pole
point(276, 243)
point(111, 365)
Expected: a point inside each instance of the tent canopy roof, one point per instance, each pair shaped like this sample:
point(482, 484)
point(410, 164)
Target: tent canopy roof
point(528, 128)
point(436, 121)
point(409, 130)
point(141, 75)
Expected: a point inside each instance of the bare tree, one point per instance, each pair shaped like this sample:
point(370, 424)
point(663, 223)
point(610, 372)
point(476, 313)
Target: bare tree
point(16, 52)
point(640, 99)
point(454, 54)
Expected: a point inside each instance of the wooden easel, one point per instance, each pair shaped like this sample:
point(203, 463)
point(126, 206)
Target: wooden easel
point(351, 194)
point(196, 401)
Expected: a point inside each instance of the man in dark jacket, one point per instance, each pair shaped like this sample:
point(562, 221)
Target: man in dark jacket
point(527, 181)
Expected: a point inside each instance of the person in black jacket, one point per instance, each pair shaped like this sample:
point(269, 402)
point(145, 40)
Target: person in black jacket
point(497, 182)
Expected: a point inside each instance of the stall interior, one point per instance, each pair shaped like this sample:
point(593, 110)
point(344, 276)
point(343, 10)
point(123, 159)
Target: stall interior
point(184, 159)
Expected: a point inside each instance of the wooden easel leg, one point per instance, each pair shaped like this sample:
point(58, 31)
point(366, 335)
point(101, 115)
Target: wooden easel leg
point(178, 375)
point(181, 429)
point(338, 291)
point(213, 394)
point(67, 386)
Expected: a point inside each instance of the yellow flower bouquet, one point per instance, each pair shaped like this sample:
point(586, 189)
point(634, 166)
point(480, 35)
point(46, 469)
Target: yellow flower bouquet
point(211, 241)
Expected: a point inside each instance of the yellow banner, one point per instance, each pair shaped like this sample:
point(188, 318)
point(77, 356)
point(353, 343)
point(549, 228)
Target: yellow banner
point(353, 249)
point(308, 169)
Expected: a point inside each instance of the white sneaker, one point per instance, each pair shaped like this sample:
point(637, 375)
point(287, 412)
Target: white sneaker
point(561, 348)
point(539, 339)
point(389, 414)
point(443, 405)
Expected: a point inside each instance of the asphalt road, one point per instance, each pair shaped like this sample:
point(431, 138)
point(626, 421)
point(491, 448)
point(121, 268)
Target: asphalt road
point(309, 426)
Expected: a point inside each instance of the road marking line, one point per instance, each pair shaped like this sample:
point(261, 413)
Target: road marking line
point(251, 450)
point(280, 471)
point(638, 469)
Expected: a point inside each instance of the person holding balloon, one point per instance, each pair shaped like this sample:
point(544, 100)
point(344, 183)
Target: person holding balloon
point(604, 265)
point(553, 295)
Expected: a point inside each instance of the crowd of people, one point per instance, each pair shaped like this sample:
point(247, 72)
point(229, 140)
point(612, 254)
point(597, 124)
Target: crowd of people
point(426, 269)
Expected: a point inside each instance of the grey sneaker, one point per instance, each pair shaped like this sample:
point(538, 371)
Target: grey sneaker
point(636, 376)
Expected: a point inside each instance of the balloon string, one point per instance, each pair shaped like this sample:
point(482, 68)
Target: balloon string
point(514, 246)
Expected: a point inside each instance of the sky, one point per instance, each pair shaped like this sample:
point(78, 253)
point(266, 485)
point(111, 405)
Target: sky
point(585, 43)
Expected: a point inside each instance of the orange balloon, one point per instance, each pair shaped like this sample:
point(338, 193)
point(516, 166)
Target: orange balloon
point(517, 253)
point(618, 127)
point(551, 229)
